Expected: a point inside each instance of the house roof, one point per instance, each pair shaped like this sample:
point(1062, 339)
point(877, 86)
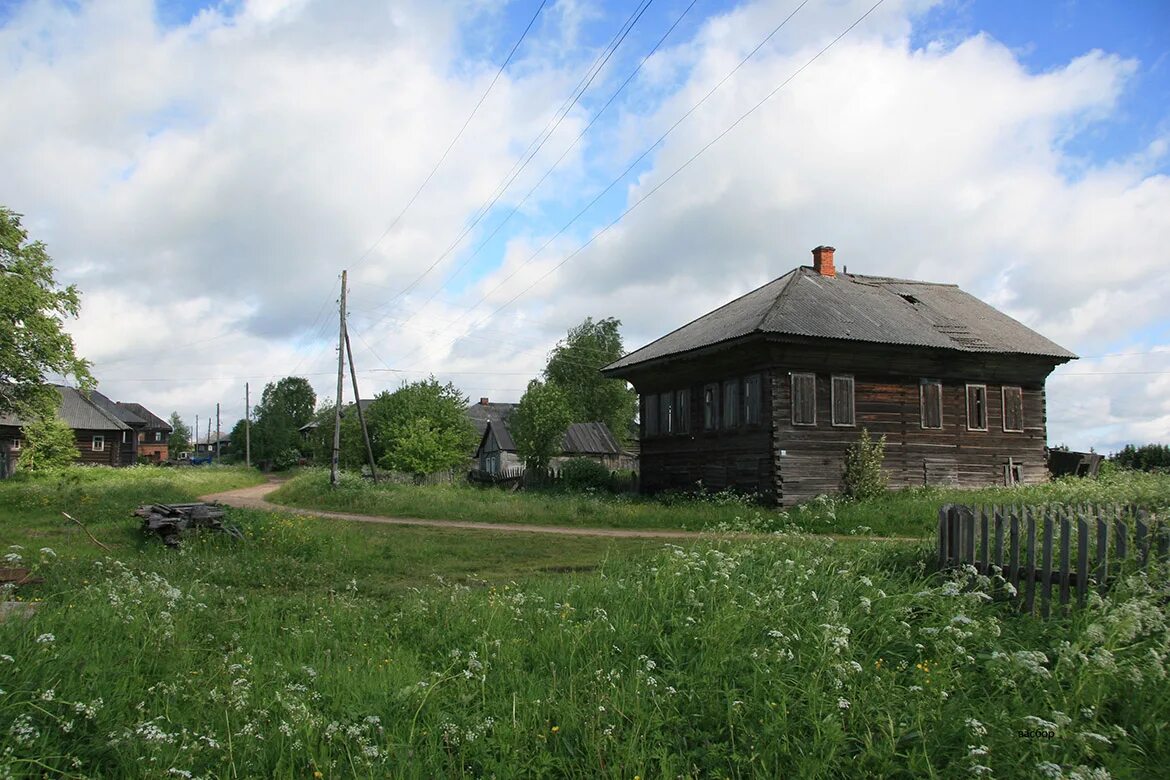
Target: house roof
point(852, 307)
point(109, 407)
point(78, 412)
point(481, 413)
point(592, 438)
point(153, 421)
point(311, 425)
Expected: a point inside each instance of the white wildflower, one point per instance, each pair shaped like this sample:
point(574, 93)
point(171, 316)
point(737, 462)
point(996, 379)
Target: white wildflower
point(46, 639)
point(843, 704)
point(976, 728)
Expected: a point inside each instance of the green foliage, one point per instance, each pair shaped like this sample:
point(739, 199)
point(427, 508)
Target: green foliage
point(420, 428)
point(574, 367)
point(49, 443)
point(1148, 457)
point(284, 407)
point(863, 467)
point(539, 422)
point(33, 342)
point(584, 474)
point(180, 438)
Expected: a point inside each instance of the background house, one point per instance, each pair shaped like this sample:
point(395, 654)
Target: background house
point(152, 434)
point(497, 450)
point(766, 392)
point(102, 437)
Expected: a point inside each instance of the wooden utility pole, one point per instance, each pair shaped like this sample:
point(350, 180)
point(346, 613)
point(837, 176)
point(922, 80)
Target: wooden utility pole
point(358, 403)
point(247, 426)
point(217, 431)
point(195, 437)
point(209, 437)
point(340, 385)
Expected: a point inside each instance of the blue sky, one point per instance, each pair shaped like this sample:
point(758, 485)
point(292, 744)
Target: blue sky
point(237, 156)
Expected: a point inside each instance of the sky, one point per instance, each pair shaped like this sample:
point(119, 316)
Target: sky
point(490, 173)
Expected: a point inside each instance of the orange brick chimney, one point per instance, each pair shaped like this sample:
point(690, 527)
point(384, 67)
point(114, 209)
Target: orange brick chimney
point(483, 401)
point(823, 261)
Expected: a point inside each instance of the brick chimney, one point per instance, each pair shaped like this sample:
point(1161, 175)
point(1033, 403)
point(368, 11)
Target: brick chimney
point(823, 261)
point(483, 401)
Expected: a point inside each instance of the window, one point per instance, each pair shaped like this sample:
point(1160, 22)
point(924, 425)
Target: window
point(751, 400)
point(843, 413)
point(804, 399)
point(682, 411)
point(141, 437)
point(16, 444)
point(976, 407)
point(125, 437)
point(1013, 409)
point(158, 436)
point(665, 413)
point(99, 444)
point(930, 398)
point(710, 407)
point(731, 402)
point(650, 415)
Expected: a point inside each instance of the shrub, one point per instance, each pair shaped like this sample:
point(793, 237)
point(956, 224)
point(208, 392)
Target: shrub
point(863, 467)
point(584, 474)
point(48, 444)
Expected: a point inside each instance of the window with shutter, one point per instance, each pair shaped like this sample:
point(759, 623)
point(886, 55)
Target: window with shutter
point(804, 399)
point(650, 415)
point(976, 407)
point(751, 400)
point(731, 402)
point(710, 407)
point(682, 411)
point(665, 413)
point(1013, 409)
point(931, 400)
point(843, 406)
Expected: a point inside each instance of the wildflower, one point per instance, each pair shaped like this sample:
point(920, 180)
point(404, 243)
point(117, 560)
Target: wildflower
point(843, 704)
point(48, 552)
point(976, 728)
point(555, 729)
point(46, 639)
point(48, 695)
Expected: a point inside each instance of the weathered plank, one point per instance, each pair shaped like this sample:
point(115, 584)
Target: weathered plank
point(983, 559)
point(1046, 563)
point(1014, 547)
point(1030, 561)
point(1142, 539)
point(1065, 563)
point(999, 539)
point(1082, 559)
point(1102, 553)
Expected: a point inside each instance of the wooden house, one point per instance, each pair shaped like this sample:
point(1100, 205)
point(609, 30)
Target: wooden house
point(497, 450)
point(765, 393)
point(102, 437)
point(153, 434)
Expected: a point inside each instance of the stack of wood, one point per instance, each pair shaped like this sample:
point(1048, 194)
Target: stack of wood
point(169, 521)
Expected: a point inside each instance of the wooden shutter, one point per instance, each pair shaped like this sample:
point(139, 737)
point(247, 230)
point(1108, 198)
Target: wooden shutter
point(751, 400)
point(977, 407)
point(651, 416)
point(843, 404)
point(682, 411)
point(665, 407)
point(931, 404)
point(804, 399)
point(710, 407)
point(1013, 409)
point(731, 402)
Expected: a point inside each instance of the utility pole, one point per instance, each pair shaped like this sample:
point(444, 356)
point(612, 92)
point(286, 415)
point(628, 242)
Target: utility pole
point(209, 437)
point(247, 426)
point(217, 431)
point(340, 385)
point(195, 436)
point(358, 402)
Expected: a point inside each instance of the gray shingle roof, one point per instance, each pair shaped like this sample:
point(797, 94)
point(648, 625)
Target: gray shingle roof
point(153, 421)
point(481, 413)
point(78, 412)
point(856, 308)
point(593, 438)
point(109, 407)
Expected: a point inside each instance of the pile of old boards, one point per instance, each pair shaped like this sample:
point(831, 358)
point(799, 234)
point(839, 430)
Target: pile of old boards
point(169, 521)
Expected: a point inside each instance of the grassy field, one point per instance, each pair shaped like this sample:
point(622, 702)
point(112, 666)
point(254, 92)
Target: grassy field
point(327, 649)
point(899, 513)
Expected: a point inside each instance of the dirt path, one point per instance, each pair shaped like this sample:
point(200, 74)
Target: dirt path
point(255, 498)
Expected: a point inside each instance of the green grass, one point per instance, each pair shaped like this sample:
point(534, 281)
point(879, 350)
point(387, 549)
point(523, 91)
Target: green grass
point(911, 513)
point(336, 649)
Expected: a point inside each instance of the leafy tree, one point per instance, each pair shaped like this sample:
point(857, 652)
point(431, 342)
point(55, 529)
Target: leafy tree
point(1148, 457)
point(319, 443)
point(284, 407)
point(539, 422)
point(863, 467)
point(48, 444)
point(32, 340)
point(575, 367)
point(180, 438)
point(420, 428)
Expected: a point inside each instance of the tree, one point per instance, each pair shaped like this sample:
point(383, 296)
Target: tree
point(32, 340)
point(284, 407)
point(539, 422)
point(575, 367)
point(420, 428)
point(180, 438)
point(48, 443)
point(863, 467)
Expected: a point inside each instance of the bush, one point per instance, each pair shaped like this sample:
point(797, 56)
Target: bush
point(863, 467)
point(584, 474)
point(48, 444)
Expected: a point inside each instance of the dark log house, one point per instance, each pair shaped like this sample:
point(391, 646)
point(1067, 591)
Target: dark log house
point(765, 393)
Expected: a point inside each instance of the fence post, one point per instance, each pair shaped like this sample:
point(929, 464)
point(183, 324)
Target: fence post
point(1082, 559)
point(1065, 549)
point(984, 561)
point(1142, 539)
point(1030, 565)
point(1014, 548)
point(1102, 552)
point(944, 522)
point(1046, 591)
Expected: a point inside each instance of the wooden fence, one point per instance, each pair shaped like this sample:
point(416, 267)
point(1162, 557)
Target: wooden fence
point(1094, 545)
point(619, 482)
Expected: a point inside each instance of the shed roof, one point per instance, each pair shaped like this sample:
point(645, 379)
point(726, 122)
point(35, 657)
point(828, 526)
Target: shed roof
point(593, 438)
point(853, 307)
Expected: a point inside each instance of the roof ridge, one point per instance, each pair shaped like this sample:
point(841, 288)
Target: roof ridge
point(794, 273)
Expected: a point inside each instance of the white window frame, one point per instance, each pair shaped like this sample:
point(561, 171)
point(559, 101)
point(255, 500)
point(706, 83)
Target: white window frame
point(98, 444)
point(852, 399)
point(157, 436)
point(792, 389)
point(15, 445)
point(967, 393)
point(922, 405)
point(1003, 408)
point(711, 422)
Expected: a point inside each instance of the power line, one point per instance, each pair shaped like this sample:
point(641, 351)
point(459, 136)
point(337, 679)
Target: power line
point(458, 135)
point(536, 145)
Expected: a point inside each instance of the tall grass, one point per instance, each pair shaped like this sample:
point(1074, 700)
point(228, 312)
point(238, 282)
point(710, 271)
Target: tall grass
point(911, 512)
